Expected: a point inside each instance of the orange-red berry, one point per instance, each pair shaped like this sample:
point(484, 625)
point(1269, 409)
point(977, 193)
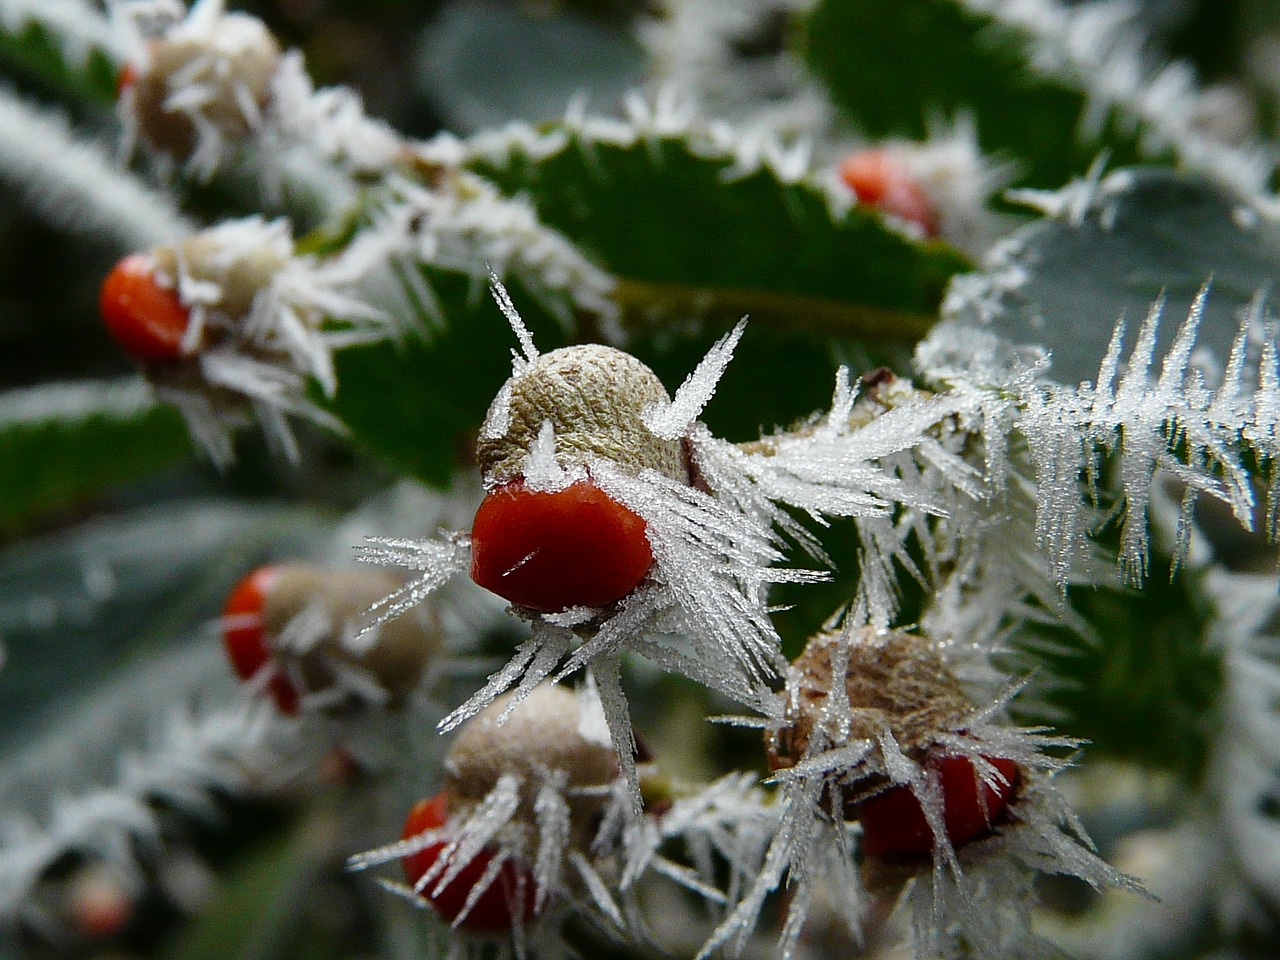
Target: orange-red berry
point(894, 824)
point(245, 636)
point(494, 912)
point(126, 78)
point(881, 181)
point(552, 550)
point(145, 318)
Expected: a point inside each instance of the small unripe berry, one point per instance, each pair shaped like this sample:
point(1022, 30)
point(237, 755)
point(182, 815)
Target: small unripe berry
point(881, 180)
point(894, 824)
point(266, 603)
point(552, 550)
point(495, 910)
point(143, 314)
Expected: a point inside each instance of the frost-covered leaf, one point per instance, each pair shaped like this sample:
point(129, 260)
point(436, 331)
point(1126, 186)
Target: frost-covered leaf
point(711, 222)
point(1048, 86)
point(547, 58)
point(66, 45)
point(417, 401)
point(61, 443)
point(1108, 249)
point(77, 604)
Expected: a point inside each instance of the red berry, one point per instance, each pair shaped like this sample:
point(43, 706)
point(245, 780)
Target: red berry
point(576, 547)
point(126, 78)
point(893, 823)
point(880, 181)
point(146, 319)
point(245, 636)
point(492, 912)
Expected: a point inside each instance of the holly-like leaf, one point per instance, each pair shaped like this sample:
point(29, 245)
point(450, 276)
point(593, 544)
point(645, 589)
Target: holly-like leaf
point(418, 402)
point(695, 224)
point(60, 443)
point(1047, 86)
point(1109, 250)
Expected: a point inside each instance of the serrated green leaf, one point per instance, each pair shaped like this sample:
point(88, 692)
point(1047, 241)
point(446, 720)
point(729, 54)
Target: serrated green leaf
point(692, 231)
point(418, 402)
point(1064, 281)
point(1035, 98)
point(62, 442)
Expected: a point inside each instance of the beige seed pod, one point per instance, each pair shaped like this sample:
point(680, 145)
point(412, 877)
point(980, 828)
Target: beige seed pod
point(594, 396)
point(239, 274)
point(395, 656)
point(544, 734)
point(895, 681)
point(234, 60)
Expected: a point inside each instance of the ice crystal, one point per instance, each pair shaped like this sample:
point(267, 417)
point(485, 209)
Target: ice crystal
point(1138, 417)
point(949, 894)
point(259, 343)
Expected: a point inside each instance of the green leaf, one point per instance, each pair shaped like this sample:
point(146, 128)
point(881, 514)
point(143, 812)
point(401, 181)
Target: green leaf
point(1064, 281)
point(60, 443)
point(1142, 689)
point(32, 48)
point(1047, 87)
point(418, 402)
point(693, 227)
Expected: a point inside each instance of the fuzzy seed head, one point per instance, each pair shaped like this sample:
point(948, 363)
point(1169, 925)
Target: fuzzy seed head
point(402, 646)
point(302, 624)
point(233, 64)
point(895, 682)
point(543, 735)
point(594, 397)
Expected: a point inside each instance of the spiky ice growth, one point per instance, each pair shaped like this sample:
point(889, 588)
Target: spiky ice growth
point(261, 322)
point(874, 714)
point(1213, 439)
point(204, 84)
point(534, 784)
point(702, 609)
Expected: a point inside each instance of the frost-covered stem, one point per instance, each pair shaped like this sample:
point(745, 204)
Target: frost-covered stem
point(76, 184)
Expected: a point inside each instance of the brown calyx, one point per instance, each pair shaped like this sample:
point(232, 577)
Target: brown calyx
point(541, 735)
point(249, 68)
point(895, 682)
point(594, 396)
point(396, 657)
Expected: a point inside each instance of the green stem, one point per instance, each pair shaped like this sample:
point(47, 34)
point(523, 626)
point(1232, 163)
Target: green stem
point(642, 299)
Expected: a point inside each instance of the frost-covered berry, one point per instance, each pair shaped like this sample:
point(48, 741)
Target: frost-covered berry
point(879, 179)
point(202, 85)
point(302, 623)
point(546, 536)
point(142, 311)
point(894, 823)
point(595, 399)
point(894, 682)
point(550, 550)
point(544, 736)
point(495, 910)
